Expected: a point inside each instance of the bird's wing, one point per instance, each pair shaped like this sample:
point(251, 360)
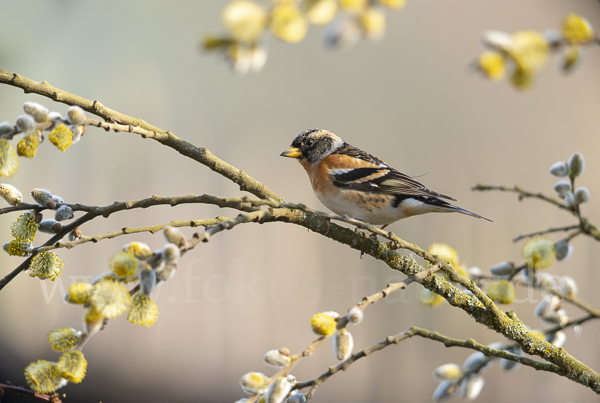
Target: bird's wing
point(381, 179)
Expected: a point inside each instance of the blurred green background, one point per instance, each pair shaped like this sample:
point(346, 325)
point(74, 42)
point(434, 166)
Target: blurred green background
point(411, 99)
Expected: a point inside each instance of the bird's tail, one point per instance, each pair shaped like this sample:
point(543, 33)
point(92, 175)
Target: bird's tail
point(466, 212)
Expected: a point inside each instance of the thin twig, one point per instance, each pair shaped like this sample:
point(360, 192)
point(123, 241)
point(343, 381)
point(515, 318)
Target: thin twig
point(22, 391)
point(343, 321)
point(584, 223)
point(488, 351)
point(523, 194)
point(342, 366)
point(129, 230)
point(544, 232)
point(416, 331)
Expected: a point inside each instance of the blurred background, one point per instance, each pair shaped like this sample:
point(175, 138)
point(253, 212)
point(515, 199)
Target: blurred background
point(411, 99)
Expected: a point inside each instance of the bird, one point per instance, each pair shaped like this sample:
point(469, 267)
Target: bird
point(352, 182)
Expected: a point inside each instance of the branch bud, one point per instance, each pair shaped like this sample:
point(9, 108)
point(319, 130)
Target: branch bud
point(343, 343)
point(37, 111)
point(254, 382)
point(277, 358)
point(562, 188)
point(568, 286)
point(11, 194)
point(448, 372)
point(355, 315)
point(75, 115)
point(559, 169)
point(502, 269)
point(174, 236)
point(50, 226)
point(64, 212)
point(563, 250)
point(576, 165)
point(25, 123)
point(581, 195)
point(471, 387)
point(279, 389)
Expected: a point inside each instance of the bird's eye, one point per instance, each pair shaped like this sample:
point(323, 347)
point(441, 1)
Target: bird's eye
point(310, 142)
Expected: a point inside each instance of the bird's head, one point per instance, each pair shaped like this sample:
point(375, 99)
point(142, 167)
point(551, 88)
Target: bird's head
point(313, 145)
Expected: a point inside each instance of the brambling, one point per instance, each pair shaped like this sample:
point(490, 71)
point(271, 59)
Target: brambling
point(350, 181)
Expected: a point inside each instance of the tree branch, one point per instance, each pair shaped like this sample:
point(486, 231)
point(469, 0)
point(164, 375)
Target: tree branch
point(416, 331)
point(479, 306)
point(585, 225)
point(488, 351)
point(21, 391)
point(129, 124)
point(546, 231)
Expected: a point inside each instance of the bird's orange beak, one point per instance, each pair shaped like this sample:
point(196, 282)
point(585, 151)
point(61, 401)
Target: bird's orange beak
point(292, 152)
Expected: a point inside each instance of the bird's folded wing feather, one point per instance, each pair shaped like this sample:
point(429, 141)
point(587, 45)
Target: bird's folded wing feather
point(382, 179)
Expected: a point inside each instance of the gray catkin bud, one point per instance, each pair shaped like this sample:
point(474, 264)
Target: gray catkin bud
point(277, 358)
point(41, 196)
point(55, 117)
point(581, 195)
point(475, 361)
point(25, 123)
point(560, 317)
point(448, 372)
point(553, 37)
point(545, 282)
point(64, 212)
point(474, 272)
point(562, 188)
point(50, 226)
point(355, 315)
point(563, 250)
point(254, 382)
point(296, 397)
point(76, 133)
point(576, 165)
point(174, 236)
point(171, 253)
point(6, 128)
point(39, 112)
point(559, 169)
point(570, 201)
point(147, 278)
point(341, 32)
point(471, 387)
point(508, 365)
point(11, 194)
point(58, 199)
point(502, 269)
point(75, 115)
point(446, 390)
point(167, 272)
point(496, 40)
point(547, 306)
point(557, 338)
point(568, 286)
point(343, 343)
point(279, 389)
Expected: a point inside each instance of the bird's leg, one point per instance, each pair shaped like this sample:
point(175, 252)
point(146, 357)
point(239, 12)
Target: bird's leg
point(374, 235)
